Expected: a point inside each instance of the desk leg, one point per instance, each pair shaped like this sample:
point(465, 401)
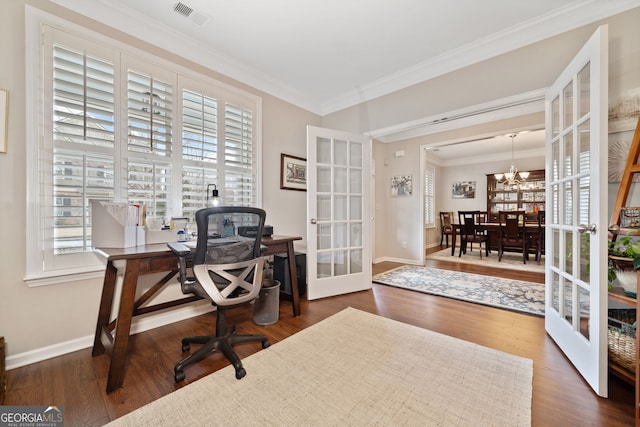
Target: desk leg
point(123, 326)
point(106, 302)
point(293, 275)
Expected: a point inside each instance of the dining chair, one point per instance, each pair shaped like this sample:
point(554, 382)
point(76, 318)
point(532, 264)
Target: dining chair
point(512, 233)
point(470, 232)
point(446, 226)
point(536, 239)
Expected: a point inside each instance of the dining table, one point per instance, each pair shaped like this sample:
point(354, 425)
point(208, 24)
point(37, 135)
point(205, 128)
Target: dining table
point(532, 229)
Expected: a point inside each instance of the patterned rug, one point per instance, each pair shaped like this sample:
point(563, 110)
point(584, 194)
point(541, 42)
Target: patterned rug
point(510, 260)
point(516, 295)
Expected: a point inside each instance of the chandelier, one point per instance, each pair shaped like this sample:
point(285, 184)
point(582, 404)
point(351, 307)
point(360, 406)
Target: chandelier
point(513, 177)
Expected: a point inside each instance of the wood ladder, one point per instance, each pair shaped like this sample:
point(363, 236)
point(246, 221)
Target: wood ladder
point(632, 167)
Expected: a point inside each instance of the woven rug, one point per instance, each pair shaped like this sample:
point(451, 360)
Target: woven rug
point(517, 295)
point(356, 368)
point(510, 260)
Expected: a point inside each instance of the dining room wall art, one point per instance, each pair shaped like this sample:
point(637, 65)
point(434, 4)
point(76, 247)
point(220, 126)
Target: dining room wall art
point(463, 190)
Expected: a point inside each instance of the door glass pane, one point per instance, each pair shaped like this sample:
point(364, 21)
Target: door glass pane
point(324, 207)
point(555, 116)
point(355, 154)
point(340, 263)
point(567, 94)
point(355, 208)
point(339, 208)
point(555, 235)
point(568, 301)
point(584, 80)
point(355, 181)
point(568, 155)
point(585, 257)
point(555, 291)
point(324, 265)
point(355, 261)
point(584, 194)
point(568, 203)
point(584, 148)
point(555, 205)
point(324, 236)
point(555, 166)
point(340, 157)
point(355, 234)
point(585, 312)
point(340, 235)
point(569, 253)
point(340, 180)
point(323, 150)
point(324, 179)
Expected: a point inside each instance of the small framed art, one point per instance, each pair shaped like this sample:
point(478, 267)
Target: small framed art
point(293, 173)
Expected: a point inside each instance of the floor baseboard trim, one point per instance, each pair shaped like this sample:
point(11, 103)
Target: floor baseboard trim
point(137, 326)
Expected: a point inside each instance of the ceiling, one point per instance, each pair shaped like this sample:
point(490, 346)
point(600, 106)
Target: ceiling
point(326, 55)
point(489, 149)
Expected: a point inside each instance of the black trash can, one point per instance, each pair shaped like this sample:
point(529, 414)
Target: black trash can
point(281, 272)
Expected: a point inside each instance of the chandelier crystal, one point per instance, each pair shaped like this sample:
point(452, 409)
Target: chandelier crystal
point(513, 177)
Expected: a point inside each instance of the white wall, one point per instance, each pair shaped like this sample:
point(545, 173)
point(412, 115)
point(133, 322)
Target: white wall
point(48, 319)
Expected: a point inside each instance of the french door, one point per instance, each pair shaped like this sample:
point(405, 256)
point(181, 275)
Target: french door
point(576, 221)
point(338, 212)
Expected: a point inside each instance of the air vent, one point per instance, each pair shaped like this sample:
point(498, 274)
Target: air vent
point(192, 15)
point(182, 9)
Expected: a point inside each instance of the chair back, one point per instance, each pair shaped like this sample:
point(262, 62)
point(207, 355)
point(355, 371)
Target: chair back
point(446, 221)
point(468, 222)
point(541, 219)
point(226, 263)
point(228, 234)
point(511, 224)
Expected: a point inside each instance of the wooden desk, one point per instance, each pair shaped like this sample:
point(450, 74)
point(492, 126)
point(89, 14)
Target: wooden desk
point(149, 259)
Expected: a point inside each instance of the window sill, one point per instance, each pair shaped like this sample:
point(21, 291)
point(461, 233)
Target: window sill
point(64, 276)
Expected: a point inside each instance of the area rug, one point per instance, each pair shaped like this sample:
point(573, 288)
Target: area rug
point(356, 368)
point(510, 260)
point(517, 295)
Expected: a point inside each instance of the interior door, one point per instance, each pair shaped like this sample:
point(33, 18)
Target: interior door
point(576, 221)
point(338, 212)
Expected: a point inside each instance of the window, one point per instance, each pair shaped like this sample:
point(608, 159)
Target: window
point(429, 196)
point(113, 123)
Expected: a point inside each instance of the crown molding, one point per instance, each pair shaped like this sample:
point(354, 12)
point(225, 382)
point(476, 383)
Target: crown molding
point(576, 14)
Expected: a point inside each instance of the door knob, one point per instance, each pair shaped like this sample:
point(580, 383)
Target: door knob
point(587, 229)
point(313, 221)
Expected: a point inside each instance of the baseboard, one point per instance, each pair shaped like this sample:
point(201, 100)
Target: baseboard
point(137, 326)
point(398, 260)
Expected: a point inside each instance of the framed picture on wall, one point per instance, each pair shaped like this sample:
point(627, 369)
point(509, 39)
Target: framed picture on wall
point(293, 173)
point(463, 190)
point(402, 185)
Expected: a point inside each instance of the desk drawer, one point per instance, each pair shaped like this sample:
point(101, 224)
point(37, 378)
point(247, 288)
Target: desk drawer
point(157, 264)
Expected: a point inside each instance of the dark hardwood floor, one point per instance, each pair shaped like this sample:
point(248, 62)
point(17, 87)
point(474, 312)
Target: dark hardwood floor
point(560, 396)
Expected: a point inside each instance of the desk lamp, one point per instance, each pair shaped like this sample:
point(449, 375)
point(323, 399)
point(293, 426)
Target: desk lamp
point(215, 198)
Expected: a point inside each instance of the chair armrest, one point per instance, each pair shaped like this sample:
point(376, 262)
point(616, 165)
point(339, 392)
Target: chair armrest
point(179, 249)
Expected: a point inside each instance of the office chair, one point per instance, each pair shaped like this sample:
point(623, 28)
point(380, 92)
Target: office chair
point(228, 271)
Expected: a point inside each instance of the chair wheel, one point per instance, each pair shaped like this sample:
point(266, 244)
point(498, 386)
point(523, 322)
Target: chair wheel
point(179, 376)
point(240, 373)
point(265, 343)
point(186, 347)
